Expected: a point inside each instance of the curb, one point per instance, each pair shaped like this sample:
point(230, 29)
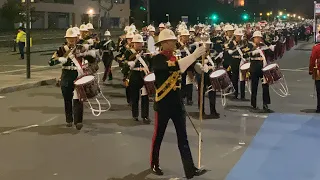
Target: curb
point(35, 69)
point(45, 82)
point(30, 85)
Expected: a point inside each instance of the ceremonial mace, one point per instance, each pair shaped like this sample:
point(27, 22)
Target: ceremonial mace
point(204, 39)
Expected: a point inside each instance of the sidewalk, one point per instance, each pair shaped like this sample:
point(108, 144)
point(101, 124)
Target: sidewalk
point(11, 83)
point(34, 48)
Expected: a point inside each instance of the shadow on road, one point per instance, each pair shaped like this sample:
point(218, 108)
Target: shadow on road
point(309, 111)
point(55, 95)
point(42, 109)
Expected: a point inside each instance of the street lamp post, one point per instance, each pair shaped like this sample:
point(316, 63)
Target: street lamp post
point(28, 16)
point(168, 17)
point(90, 13)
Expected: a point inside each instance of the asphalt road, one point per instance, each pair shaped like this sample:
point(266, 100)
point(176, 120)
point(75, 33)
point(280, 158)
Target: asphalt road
point(36, 145)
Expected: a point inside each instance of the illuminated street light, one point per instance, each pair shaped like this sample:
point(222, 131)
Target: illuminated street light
point(268, 14)
point(260, 14)
point(288, 15)
point(299, 17)
point(90, 11)
point(294, 15)
point(271, 13)
point(280, 13)
point(302, 19)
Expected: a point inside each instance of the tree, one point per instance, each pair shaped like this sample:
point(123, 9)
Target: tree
point(13, 12)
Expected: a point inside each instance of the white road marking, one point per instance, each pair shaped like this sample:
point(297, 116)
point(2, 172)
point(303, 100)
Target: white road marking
point(28, 127)
point(254, 115)
point(295, 70)
point(5, 72)
point(303, 68)
point(234, 149)
point(19, 129)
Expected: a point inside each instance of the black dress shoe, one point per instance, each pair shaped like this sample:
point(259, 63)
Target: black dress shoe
point(189, 103)
point(79, 126)
point(196, 172)
point(214, 116)
point(69, 124)
point(244, 99)
point(318, 111)
point(136, 119)
point(156, 170)
point(146, 121)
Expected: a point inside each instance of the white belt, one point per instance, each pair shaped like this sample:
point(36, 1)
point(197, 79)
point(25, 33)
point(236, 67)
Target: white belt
point(236, 57)
point(69, 68)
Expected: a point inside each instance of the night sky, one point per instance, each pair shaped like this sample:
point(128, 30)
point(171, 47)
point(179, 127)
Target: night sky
point(194, 8)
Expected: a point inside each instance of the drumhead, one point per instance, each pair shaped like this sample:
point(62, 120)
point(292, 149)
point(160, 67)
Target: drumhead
point(218, 73)
point(84, 80)
point(270, 66)
point(150, 77)
point(245, 66)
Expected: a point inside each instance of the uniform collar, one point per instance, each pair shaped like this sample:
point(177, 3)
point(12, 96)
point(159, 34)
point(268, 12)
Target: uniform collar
point(169, 55)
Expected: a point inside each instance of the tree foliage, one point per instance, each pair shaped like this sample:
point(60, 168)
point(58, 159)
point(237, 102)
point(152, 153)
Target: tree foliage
point(15, 12)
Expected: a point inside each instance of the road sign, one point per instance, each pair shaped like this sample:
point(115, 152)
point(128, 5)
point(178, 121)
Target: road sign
point(185, 19)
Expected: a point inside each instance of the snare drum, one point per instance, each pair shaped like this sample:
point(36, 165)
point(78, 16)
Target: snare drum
point(149, 83)
point(86, 87)
point(272, 73)
point(220, 80)
point(245, 70)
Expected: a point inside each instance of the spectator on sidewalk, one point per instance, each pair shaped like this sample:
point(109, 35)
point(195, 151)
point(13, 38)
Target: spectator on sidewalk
point(21, 41)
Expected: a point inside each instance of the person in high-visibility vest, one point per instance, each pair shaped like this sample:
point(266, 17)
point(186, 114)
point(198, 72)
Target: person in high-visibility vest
point(21, 41)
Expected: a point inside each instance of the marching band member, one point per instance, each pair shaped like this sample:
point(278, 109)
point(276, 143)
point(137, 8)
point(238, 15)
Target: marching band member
point(314, 66)
point(72, 68)
point(107, 46)
point(208, 68)
point(150, 40)
point(138, 69)
point(188, 76)
point(258, 61)
point(235, 50)
point(129, 37)
point(168, 103)
point(229, 30)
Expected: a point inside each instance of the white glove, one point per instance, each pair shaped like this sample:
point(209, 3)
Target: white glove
point(230, 51)
point(62, 60)
point(272, 47)
point(205, 68)
point(90, 41)
point(206, 61)
point(131, 64)
point(86, 46)
point(255, 52)
point(200, 51)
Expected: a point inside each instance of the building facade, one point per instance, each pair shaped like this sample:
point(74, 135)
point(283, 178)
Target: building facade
point(61, 14)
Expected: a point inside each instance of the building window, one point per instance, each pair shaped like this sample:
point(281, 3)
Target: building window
point(58, 20)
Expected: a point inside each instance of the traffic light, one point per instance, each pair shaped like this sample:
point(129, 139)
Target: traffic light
point(214, 17)
point(245, 17)
point(142, 8)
